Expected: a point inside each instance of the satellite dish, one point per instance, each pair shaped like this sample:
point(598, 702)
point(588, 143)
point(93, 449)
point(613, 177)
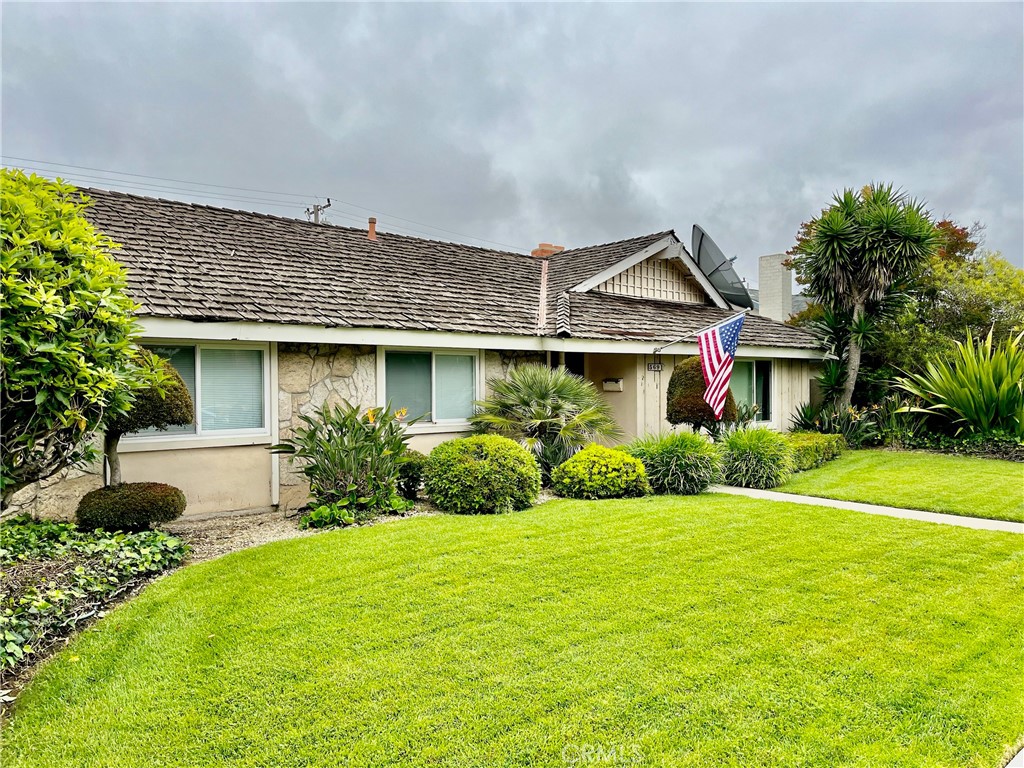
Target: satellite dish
point(718, 269)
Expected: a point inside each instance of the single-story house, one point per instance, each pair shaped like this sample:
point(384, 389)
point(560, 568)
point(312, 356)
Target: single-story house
point(267, 318)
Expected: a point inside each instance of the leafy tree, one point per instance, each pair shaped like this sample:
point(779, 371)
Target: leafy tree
point(549, 411)
point(685, 399)
point(859, 252)
point(67, 337)
point(154, 407)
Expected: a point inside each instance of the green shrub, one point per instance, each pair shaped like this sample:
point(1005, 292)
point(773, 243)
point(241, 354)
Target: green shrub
point(678, 462)
point(978, 387)
point(410, 474)
point(812, 449)
point(757, 458)
point(685, 404)
point(130, 506)
point(328, 516)
point(858, 426)
point(56, 577)
point(481, 475)
point(549, 411)
point(67, 348)
point(352, 459)
point(598, 472)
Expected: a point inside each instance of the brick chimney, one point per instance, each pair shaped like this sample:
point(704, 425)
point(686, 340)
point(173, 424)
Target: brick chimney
point(544, 250)
point(775, 287)
point(371, 232)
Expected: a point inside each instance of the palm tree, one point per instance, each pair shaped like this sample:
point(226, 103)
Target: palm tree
point(859, 251)
point(549, 411)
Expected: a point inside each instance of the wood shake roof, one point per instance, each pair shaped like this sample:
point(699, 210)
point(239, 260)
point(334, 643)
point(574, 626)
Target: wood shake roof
point(201, 263)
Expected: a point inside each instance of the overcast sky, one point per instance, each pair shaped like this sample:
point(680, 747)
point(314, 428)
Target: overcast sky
point(568, 123)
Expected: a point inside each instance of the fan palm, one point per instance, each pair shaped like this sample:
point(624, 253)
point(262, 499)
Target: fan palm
point(549, 411)
point(856, 252)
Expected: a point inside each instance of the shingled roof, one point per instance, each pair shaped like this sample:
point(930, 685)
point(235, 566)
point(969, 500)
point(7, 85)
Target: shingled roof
point(202, 263)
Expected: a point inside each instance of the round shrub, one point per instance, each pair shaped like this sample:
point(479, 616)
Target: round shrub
point(129, 507)
point(410, 473)
point(481, 475)
point(757, 458)
point(685, 398)
point(679, 462)
point(598, 472)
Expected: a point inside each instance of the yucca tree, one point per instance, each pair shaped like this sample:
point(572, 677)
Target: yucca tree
point(981, 385)
point(549, 411)
point(856, 252)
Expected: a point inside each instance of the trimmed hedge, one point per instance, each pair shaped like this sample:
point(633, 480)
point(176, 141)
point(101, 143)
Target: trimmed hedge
point(410, 473)
point(482, 475)
point(678, 462)
point(598, 472)
point(130, 507)
point(812, 449)
point(685, 399)
point(757, 458)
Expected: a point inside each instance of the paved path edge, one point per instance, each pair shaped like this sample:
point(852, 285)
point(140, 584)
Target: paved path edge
point(978, 523)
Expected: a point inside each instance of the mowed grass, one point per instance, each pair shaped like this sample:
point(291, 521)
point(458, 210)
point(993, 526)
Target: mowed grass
point(661, 631)
point(958, 485)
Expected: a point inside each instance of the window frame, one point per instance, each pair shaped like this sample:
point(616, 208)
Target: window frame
point(217, 437)
point(433, 425)
point(753, 383)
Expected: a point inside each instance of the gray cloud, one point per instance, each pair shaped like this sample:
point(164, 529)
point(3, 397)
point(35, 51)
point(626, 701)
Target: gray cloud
point(521, 123)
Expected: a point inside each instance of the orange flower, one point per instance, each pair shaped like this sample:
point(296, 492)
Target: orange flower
point(371, 415)
point(401, 413)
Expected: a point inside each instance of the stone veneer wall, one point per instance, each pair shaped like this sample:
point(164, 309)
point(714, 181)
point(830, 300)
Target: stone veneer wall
point(310, 376)
point(57, 497)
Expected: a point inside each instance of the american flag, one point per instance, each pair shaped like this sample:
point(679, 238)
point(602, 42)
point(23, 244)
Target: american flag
point(717, 346)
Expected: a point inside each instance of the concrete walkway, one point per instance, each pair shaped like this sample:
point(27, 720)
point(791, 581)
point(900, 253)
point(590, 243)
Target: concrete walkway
point(875, 509)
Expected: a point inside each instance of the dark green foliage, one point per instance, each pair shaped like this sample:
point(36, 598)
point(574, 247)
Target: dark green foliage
point(352, 461)
point(686, 403)
point(757, 458)
point(812, 449)
point(482, 475)
point(995, 445)
point(678, 462)
point(130, 507)
point(598, 472)
point(55, 577)
point(857, 254)
point(858, 426)
point(549, 411)
point(156, 407)
point(410, 474)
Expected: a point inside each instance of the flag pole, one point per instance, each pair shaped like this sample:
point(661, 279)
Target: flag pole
point(657, 350)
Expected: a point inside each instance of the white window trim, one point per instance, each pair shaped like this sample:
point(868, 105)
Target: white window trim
point(212, 438)
point(424, 427)
point(770, 423)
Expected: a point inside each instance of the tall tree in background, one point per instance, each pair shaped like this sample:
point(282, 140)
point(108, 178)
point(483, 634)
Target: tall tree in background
point(858, 251)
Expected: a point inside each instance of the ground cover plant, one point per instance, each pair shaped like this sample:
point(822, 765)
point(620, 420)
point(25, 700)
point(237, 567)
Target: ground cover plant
point(958, 485)
point(688, 631)
point(678, 462)
point(54, 577)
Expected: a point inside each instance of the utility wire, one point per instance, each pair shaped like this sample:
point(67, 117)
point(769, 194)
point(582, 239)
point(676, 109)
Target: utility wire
point(38, 165)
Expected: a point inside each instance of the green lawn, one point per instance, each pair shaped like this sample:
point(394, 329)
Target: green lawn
point(959, 485)
point(664, 631)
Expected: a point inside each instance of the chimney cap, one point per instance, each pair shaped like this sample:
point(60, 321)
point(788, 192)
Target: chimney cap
point(544, 250)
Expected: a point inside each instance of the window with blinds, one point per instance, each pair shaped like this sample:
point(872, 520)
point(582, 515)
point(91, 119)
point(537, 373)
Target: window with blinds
point(434, 386)
point(228, 387)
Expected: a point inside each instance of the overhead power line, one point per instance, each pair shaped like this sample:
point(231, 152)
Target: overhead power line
point(233, 194)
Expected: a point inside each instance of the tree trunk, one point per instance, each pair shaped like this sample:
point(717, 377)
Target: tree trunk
point(110, 441)
point(852, 360)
